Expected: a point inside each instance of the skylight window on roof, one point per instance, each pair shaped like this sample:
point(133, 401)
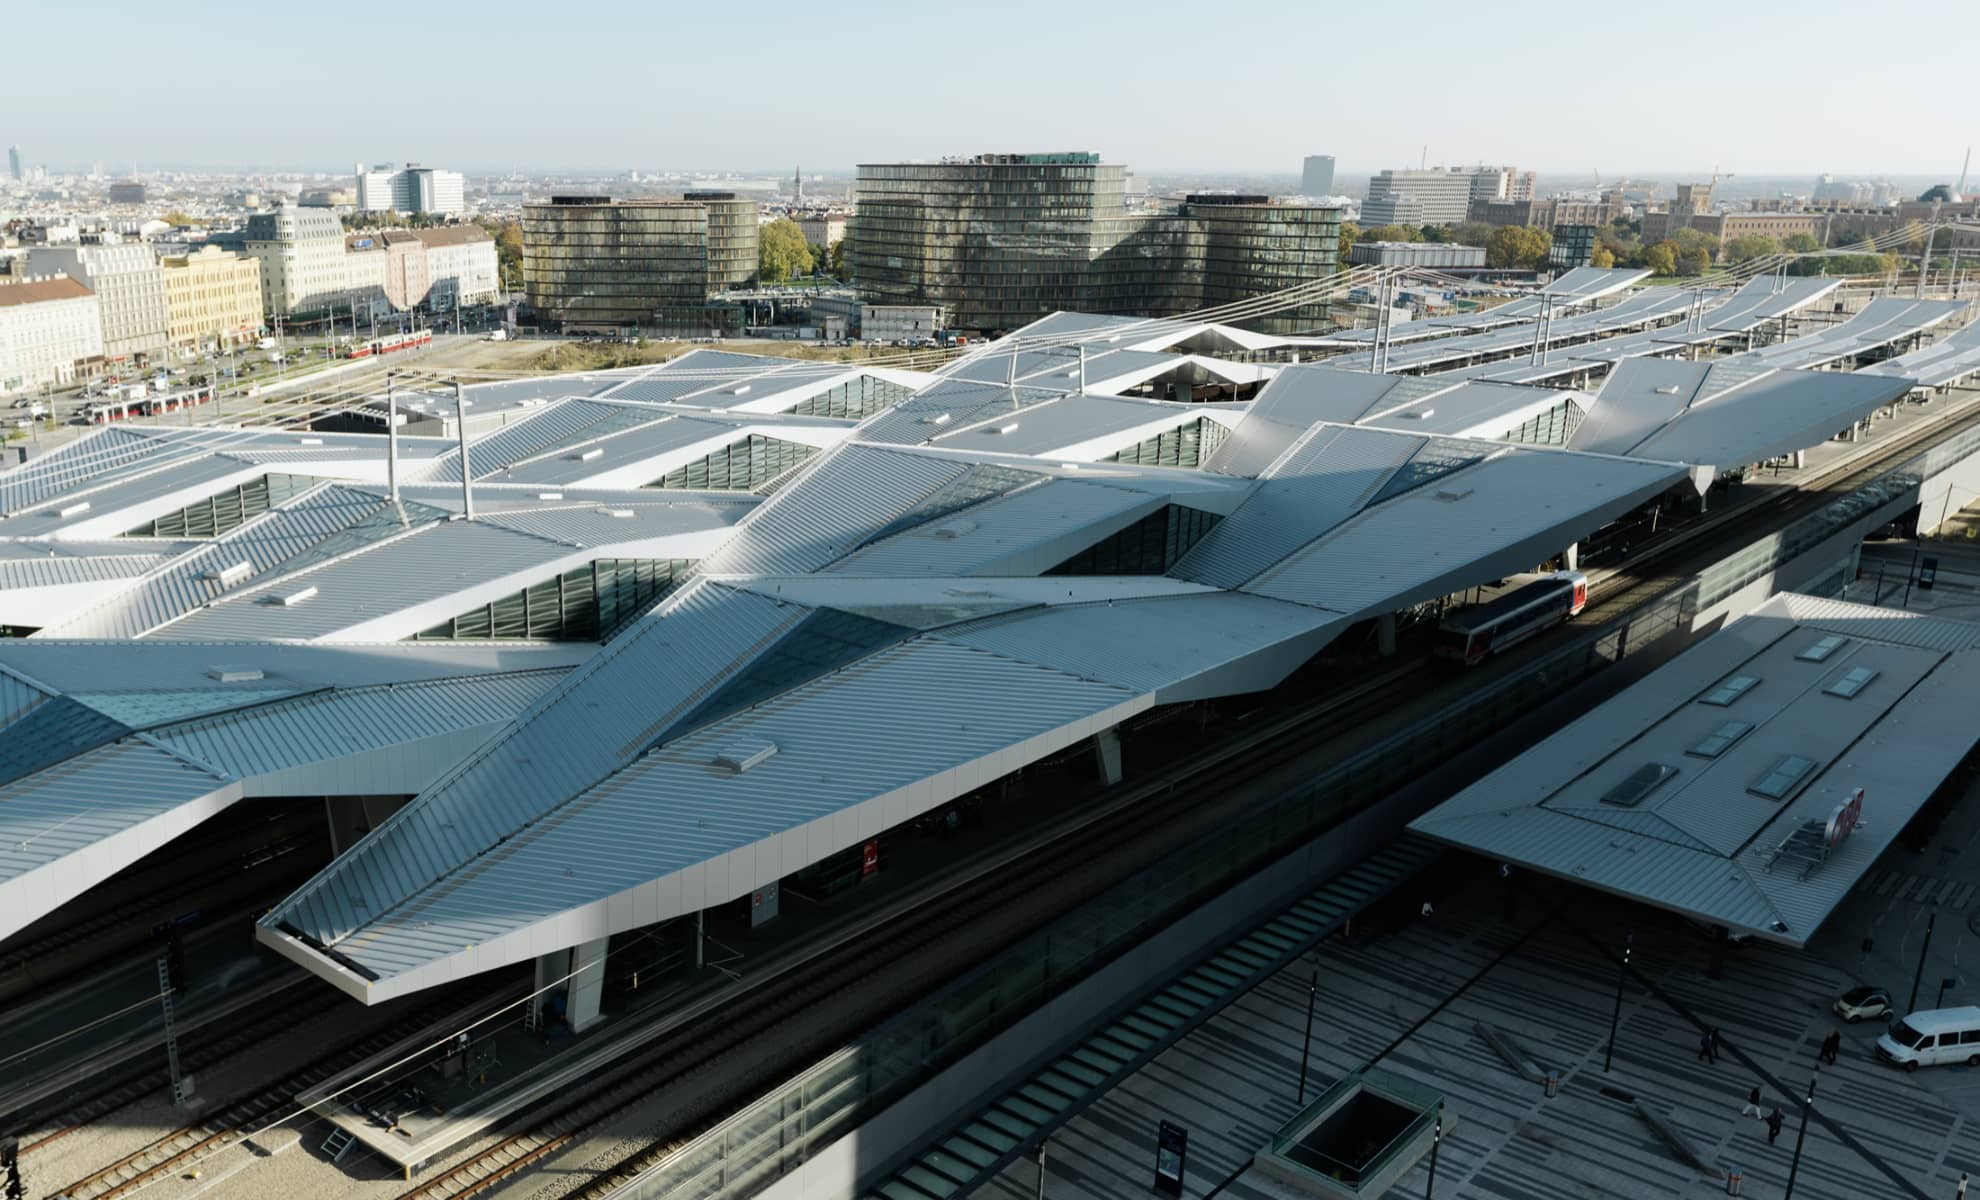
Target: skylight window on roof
point(1721, 739)
point(1820, 651)
point(1435, 459)
point(1638, 784)
point(1784, 778)
point(1852, 682)
point(1729, 691)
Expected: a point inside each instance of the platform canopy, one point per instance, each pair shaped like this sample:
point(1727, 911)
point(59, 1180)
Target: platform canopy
point(1946, 361)
point(1751, 781)
point(1726, 412)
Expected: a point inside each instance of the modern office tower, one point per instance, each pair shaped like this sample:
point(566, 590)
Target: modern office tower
point(413, 189)
point(592, 262)
point(14, 163)
point(1441, 196)
point(999, 240)
point(1318, 177)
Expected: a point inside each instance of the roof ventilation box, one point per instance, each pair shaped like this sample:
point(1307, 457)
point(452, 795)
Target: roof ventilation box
point(234, 674)
point(72, 510)
point(291, 599)
point(229, 576)
point(737, 759)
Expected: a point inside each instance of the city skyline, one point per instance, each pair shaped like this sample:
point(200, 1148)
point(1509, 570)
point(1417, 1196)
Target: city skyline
point(633, 103)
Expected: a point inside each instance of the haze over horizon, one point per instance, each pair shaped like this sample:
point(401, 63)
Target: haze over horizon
point(1160, 86)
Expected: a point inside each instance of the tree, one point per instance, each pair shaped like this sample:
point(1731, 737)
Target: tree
point(1801, 243)
point(1750, 246)
point(838, 259)
point(1661, 258)
point(1694, 262)
point(179, 220)
point(1392, 233)
point(817, 253)
point(1601, 256)
point(1350, 234)
point(1517, 247)
point(782, 251)
point(1695, 242)
point(1472, 233)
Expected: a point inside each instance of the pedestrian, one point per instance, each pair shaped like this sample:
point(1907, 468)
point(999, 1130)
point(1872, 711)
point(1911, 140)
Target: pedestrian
point(1428, 909)
point(1708, 1047)
point(1831, 1046)
point(1774, 1121)
point(1752, 1107)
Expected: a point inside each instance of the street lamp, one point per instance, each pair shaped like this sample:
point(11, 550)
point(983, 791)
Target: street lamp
point(1615, 1016)
point(1807, 1106)
point(1306, 1045)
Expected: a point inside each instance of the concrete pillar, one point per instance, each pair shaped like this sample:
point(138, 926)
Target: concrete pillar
point(1107, 754)
point(1855, 430)
point(700, 938)
point(1800, 459)
point(1385, 634)
point(588, 985)
point(550, 969)
point(1571, 557)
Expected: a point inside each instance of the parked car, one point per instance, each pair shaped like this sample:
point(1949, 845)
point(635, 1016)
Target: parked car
point(1864, 1004)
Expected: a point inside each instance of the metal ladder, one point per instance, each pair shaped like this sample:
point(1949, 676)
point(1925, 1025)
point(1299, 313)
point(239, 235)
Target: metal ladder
point(338, 1143)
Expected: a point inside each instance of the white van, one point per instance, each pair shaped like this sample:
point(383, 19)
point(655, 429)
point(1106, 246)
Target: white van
point(1933, 1038)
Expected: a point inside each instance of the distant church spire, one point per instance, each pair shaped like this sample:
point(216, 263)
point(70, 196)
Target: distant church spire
point(797, 184)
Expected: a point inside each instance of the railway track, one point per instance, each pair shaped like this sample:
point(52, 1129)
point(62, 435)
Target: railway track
point(232, 1120)
point(53, 1122)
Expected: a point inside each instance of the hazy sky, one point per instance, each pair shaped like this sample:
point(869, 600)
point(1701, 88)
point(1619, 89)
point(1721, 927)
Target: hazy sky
point(1222, 85)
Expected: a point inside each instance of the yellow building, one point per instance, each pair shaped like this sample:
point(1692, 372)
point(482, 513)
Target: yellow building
point(211, 295)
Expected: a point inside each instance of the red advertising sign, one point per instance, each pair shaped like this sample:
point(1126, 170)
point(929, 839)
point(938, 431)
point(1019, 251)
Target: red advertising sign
point(1844, 820)
point(869, 861)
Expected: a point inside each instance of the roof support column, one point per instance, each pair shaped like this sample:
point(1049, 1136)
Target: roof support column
point(587, 984)
point(1385, 635)
point(1571, 557)
point(1800, 459)
point(467, 476)
point(1107, 754)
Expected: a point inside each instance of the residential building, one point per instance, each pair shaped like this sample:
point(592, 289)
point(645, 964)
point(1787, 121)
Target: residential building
point(129, 286)
point(211, 295)
point(301, 251)
point(1317, 179)
point(825, 229)
point(1544, 214)
point(592, 262)
point(1430, 255)
point(406, 282)
point(460, 266)
point(48, 325)
point(1658, 226)
point(411, 189)
point(1002, 239)
point(127, 191)
point(365, 276)
point(901, 322)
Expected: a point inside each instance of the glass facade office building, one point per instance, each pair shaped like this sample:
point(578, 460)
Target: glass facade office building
point(1002, 239)
point(591, 263)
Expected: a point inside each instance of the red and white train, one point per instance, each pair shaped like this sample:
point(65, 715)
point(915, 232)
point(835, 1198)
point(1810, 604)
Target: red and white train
point(114, 408)
point(1471, 634)
point(390, 344)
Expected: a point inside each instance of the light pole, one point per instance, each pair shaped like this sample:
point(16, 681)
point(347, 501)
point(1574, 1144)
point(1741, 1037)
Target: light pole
point(1615, 1016)
point(1807, 1106)
point(1436, 1140)
point(1931, 919)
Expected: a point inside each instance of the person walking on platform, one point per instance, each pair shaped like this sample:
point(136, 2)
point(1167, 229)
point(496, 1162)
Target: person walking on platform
point(1708, 1047)
point(1774, 1121)
point(1752, 1107)
point(1831, 1046)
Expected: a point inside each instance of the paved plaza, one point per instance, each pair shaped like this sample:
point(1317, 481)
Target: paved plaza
point(1414, 997)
